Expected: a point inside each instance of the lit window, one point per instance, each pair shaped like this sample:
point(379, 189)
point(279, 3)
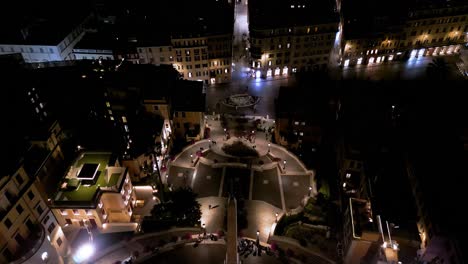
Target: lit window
point(76, 212)
point(348, 175)
point(292, 6)
point(41, 105)
point(279, 46)
point(308, 30)
point(359, 61)
point(124, 119)
point(64, 212)
point(110, 112)
point(32, 100)
point(126, 128)
point(296, 123)
point(190, 75)
point(303, 123)
point(269, 63)
point(225, 70)
point(89, 212)
point(100, 205)
point(288, 45)
point(301, 134)
point(37, 110)
point(112, 118)
point(107, 104)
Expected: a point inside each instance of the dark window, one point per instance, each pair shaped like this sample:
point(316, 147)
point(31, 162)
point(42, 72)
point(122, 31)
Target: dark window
point(68, 220)
point(19, 239)
point(7, 254)
point(51, 228)
point(46, 219)
point(39, 209)
point(19, 179)
point(7, 223)
point(183, 114)
point(30, 195)
point(59, 241)
point(176, 114)
point(156, 108)
point(29, 224)
point(19, 209)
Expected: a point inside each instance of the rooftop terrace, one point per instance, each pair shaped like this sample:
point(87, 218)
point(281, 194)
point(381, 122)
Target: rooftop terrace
point(73, 189)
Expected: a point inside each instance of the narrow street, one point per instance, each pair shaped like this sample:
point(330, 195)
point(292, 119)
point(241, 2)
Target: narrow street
point(240, 53)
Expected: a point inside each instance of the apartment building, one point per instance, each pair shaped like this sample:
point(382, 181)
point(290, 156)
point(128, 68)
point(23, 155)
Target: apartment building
point(206, 59)
point(45, 39)
point(198, 44)
point(414, 30)
point(299, 119)
point(29, 231)
point(95, 193)
point(290, 37)
point(188, 110)
point(94, 46)
point(435, 31)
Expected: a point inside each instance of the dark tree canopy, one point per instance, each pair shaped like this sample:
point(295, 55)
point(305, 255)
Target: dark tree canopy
point(181, 209)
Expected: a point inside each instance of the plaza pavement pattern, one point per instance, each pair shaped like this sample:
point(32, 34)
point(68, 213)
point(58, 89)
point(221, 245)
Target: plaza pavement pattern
point(267, 185)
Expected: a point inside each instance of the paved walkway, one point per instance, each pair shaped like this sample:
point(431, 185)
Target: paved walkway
point(268, 184)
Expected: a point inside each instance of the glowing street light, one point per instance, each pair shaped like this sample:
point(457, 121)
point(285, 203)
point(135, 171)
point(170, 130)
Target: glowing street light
point(84, 253)
point(284, 164)
point(204, 229)
point(310, 190)
point(276, 217)
point(258, 238)
point(269, 145)
point(191, 158)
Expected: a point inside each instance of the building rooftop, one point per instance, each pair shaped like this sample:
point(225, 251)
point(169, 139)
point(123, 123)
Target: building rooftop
point(266, 14)
point(90, 173)
point(95, 41)
point(188, 96)
point(295, 103)
point(42, 28)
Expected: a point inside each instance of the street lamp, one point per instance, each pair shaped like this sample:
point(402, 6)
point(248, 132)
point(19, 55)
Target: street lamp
point(258, 238)
point(204, 229)
point(191, 158)
point(84, 253)
point(269, 145)
point(284, 164)
point(209, 144)
point(310, 190)
point(276, 217)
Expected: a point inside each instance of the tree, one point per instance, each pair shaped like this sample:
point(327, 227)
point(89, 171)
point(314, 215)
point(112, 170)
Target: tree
point(181, 209)
point(438, 69)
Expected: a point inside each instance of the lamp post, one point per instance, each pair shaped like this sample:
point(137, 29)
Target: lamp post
point(276, 217)
point(258, 238)
point(191, 158)
point(204, 229)
point(269, 145)
point(310, 190)
point(209, 143)
point(284, 164)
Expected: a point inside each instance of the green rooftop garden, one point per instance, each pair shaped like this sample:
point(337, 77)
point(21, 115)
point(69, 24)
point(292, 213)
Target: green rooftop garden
point(86, 192)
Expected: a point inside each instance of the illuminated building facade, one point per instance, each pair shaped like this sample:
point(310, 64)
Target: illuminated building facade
point(95, 193)
point(300, 38)
point(206, 59)
point(424, 30)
